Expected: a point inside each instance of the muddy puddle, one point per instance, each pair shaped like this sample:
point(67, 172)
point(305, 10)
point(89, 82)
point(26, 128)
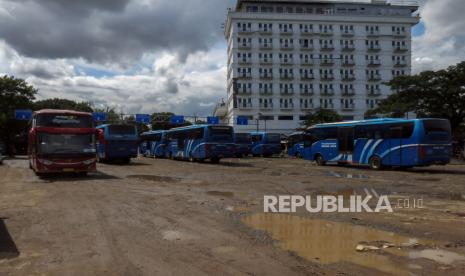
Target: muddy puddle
point(154, 178)
point(346, 175)
point(328, 243)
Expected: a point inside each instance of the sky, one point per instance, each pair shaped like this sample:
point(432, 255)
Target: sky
point(145, 56)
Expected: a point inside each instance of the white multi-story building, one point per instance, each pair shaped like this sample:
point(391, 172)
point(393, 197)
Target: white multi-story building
point(290, 57)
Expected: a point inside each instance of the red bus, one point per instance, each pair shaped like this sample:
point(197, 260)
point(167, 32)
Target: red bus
point(62, 141)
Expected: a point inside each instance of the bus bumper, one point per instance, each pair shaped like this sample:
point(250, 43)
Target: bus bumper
point(65, 166)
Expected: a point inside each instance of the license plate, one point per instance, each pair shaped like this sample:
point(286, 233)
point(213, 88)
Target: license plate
point(68, 170)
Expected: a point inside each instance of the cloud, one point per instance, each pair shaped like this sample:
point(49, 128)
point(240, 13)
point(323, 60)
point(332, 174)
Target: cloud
point(443, 42)
point(111, 31)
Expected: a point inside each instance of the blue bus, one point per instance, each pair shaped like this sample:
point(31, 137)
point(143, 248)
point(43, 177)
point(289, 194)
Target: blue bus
point(265, 144)
point(200, 142)
point(295, 144)
point(153, 144)
point(117, 141)
point(243, 142)
point(381, 143)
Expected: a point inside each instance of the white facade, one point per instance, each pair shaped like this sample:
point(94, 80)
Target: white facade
point(288, 58)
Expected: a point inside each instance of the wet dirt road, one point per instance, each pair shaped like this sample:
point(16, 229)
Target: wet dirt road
point(162, 217)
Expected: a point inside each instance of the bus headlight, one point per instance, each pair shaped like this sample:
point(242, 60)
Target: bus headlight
point(45, 162)
point(88, 162)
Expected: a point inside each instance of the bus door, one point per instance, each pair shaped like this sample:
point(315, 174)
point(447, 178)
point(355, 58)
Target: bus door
point(394, 135)
point(345, 139)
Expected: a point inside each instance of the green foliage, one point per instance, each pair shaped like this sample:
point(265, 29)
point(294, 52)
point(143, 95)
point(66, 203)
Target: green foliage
point(112, 115)
point(14, 94)
point(57, 103)
point(320, 116)
point(439, 94)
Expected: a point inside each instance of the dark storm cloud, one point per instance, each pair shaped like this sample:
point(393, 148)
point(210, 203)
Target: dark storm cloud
point(111, 31)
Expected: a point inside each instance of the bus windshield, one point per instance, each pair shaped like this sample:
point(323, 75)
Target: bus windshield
point(64, 121)
point(66, 144)
point(219, 133)
point(274, 138)
point(121, 130)
point(243, 138)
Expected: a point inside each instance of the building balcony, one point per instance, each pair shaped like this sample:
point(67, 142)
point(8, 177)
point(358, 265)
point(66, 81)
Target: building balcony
point(327, 47)
point(401, 48)
point(372, 33)
point(348, 106)
point(244, 30)
point(245, 45)
point(348, 48)
point(242, 91)
point(306, 62)
point(245, 61)
point(400, 63)
point(308, 76)
point(286, 46)
point(265, 31)
point(286, 76)
point(327, 106)
point(266, 92)
point(347, 33)
point(286, 31)
point(266, 61)
point(374, 77)
point(327, 77)
point(266, 46)
point(266, 76)
point(326, 32)
point(307, 32)
point(288, 106)
point(374, 92)
point(347, 62)
point(287, 91)
point(306, 47)
point(307, 106)
point(374, 62)
point(327, 62)
point(373, 48)
point(348, 77)
point(266, 106)
point(244, 75)
point(306, 92)
point(286, 61)
point(246, 106)
point(399, 33)
point(327, 92)
point(348, 92)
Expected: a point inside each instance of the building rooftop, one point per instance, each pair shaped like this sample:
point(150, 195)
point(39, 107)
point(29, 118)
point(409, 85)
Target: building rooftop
point(407, 3)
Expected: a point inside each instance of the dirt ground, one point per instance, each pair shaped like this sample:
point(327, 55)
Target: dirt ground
point(162, 217)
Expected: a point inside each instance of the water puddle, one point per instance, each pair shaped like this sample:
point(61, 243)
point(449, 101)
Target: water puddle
point(437, 255)
point(345, 175)
point(219, 193)
point(154, 178)
point(328, 242)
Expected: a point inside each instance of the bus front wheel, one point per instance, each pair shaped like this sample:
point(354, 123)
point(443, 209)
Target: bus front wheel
point(191, 158)
point(319, 160)
point(215, 160)
point(375, 163)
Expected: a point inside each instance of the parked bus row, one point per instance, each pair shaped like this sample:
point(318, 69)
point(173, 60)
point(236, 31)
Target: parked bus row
point(207, 142)
point(68, 141)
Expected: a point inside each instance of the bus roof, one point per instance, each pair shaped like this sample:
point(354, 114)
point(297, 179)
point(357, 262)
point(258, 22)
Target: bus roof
point(197, 126)
point(370, 122)
point(153, 132)
point(107, 125)
point(62, 111)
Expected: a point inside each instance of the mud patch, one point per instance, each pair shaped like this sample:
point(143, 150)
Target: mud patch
point(173, 235)
point(154, 178)
point(328, 242)
point(429, 179)
point(220, 193)
point(346, 175)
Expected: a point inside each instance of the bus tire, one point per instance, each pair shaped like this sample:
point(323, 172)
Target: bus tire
point(319, 160)
point(298, 155)
point(215, 160)
point(171, 156)
point(191, 158)
point(375, 163)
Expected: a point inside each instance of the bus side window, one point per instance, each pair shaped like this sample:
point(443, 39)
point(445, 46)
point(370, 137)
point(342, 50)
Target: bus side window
point(256, 138)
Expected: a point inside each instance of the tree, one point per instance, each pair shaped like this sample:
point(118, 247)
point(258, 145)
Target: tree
point(320, 116)
point(112, 115)
point(14, 94)
point(57, 103)
point(439, 94)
